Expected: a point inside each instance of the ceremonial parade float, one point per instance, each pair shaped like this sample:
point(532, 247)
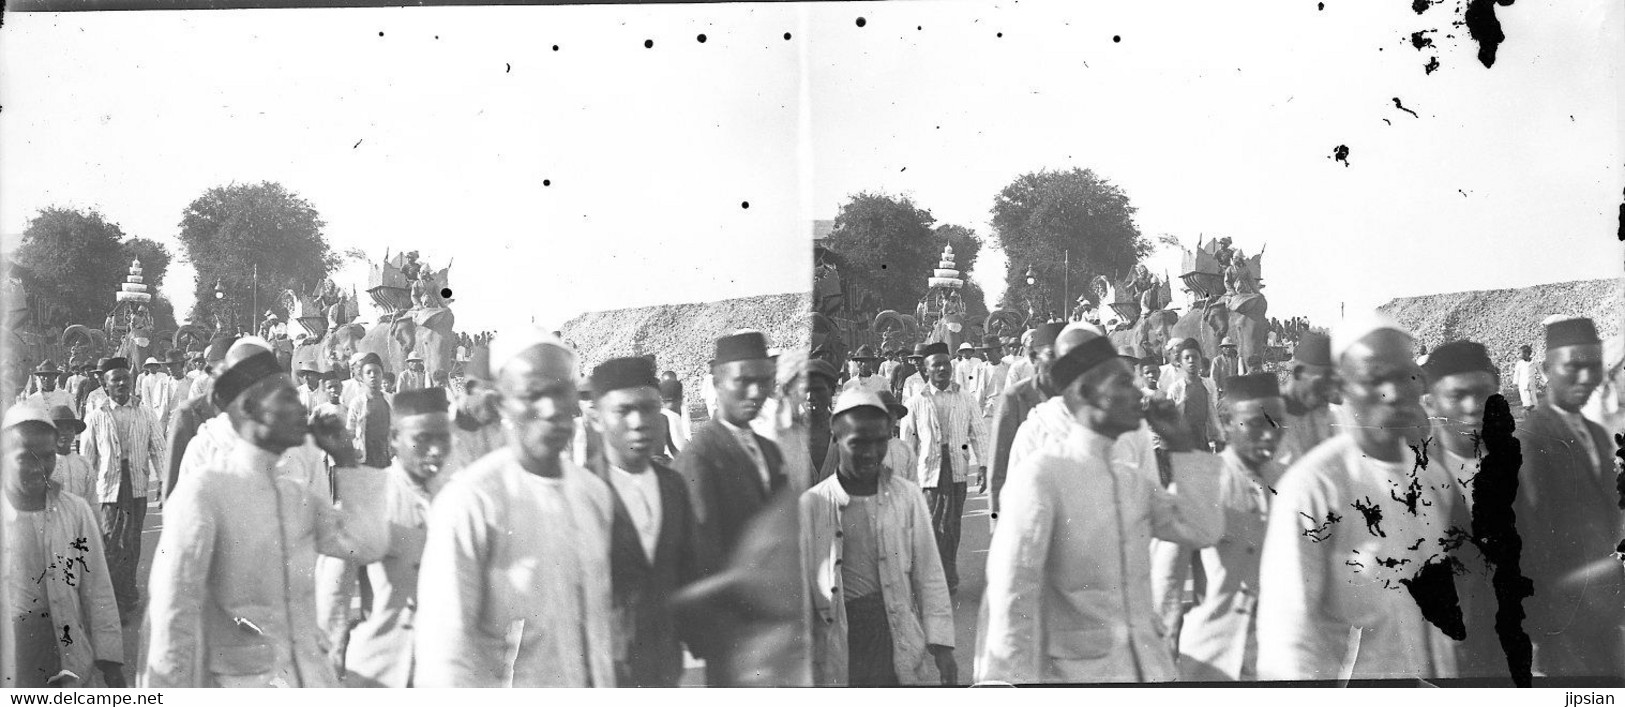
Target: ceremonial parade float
point(415, 318)
point(1224, 286)
point(941, 313)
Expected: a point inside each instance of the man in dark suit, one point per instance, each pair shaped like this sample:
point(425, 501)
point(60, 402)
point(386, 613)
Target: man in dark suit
point(1018, 400)
point(652, 539)
point(1569, 518)
point(732, 473)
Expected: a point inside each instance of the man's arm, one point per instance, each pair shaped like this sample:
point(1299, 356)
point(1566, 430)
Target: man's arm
point(155, 453)
point(90, 444)
point(95, 585)
point(1004, 435)
point(1188, 511)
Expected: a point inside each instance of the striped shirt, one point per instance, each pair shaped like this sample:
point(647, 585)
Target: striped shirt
point(117, 433)
point(948, 417)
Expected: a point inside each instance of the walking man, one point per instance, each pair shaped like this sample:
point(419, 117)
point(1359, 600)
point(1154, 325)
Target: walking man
point(944, 430)
point(125, 447)
point(652, 540)
point(1527, 377)
point(879, 599)
point(516, 567)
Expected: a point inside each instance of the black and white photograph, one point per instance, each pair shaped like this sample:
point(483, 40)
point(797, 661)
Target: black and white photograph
point(779, 344)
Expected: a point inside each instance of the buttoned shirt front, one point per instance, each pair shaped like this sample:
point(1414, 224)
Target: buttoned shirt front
point(640, 494)
point(118, 433)
point(747, 439)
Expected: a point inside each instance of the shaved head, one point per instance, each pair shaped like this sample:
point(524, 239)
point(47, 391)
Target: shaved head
point(1383, 386)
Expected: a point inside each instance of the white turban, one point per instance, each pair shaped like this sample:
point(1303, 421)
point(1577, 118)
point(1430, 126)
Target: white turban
point(514, 341)
point(1359, 326)
point(247, 341)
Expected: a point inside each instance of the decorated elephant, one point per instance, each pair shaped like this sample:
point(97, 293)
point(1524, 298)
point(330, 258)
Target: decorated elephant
point(950, 330)
point(426, 332)
point(1241, 317)
point(1149, 334)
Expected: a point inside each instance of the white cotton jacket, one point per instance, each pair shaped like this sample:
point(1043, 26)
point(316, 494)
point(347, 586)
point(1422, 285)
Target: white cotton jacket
point(78, 588)
point(232, 585)
point(913, 586)
point(1069, 594)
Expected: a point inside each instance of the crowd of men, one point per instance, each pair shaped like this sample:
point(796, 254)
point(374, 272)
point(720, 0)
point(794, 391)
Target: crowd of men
point(541, 525)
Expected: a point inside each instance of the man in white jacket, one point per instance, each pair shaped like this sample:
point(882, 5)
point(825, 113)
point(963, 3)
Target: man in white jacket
point(1069, 594)
point(880, 599)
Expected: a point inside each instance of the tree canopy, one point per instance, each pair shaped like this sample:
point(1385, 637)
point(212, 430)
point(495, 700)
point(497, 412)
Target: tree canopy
point(1042, 215)
point(73, 260)
point(887, 247)
point(229, 230)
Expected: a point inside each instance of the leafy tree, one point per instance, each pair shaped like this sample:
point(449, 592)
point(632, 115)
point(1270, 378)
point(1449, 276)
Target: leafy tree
point(65, 254)
point(1042, 215)
point(887, 247)
point(229, 230)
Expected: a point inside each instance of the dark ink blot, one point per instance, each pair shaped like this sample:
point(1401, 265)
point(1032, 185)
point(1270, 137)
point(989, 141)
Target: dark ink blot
point(1420, 6)
point(1432, 65)
point(786, 36)
point(1622, 239)
point(1341, 154)
point(80, 544)
point(357, 144)
point(445, 293)
point(67, 637)
point(648, 44)
point(882, 266)
point(509, 70)
point(700, 39)
point(999, 35)
point(547, 182)
point(1417, 545)
point(380, 34)
point(1392, 562)
point(1320, 6)
point(920, 27)
point(1433, 588)
point(1385, 120)
point(555, 47)
point(1485, 28)
point(1420, 39)
point(1402, 107)
point(1320, 531)
point(437, 36)
point(1117, 38)
point(1495, 533)
point(1373, 516)
point(862, 22)
point(744, 204)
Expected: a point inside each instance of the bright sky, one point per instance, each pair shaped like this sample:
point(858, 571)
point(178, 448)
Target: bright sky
point(650, 152)
point(1220, 118)
point(1216, 118)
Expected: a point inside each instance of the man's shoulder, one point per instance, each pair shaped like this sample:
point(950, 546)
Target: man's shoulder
point(1318, 470)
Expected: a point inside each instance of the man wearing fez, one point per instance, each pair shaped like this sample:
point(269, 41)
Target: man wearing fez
point(64, 619)
point(215, 437)
point(879, 599)
point(731, 471)
point(1069, 595)
point(1017, 401)
point(866, 378)
point(1353, 521)
point(379, 648)
point(516, 567)
point(125, 447)
point(1308, 397)
point(1461, 378)
point(652, 541)
point(944, 430)
point(1218, 639)
point(1569, 516)
point(233, 595)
